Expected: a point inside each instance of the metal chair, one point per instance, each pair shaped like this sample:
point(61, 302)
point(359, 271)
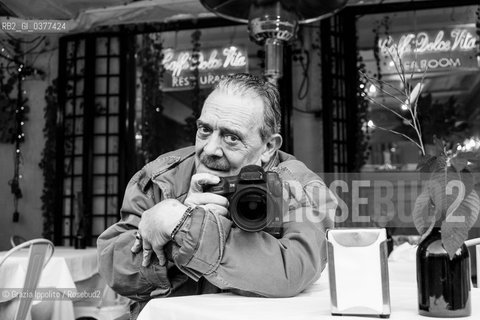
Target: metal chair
point(475, 242)
point(41, 250)
point(478, 265)
point(15, 240)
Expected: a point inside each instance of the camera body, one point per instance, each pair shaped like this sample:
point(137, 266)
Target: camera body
point(256, 201)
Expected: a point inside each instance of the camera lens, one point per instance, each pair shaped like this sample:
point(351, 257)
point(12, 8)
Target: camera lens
point(252, 206)
point(248, 209)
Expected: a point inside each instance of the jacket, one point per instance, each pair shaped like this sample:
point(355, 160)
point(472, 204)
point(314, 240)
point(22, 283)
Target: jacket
point(208, 247)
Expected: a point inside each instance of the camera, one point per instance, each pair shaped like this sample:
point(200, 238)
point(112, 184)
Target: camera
point(255, 197)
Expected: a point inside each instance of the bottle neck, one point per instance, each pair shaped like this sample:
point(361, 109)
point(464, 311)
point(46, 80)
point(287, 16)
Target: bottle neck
point(437, 229)
point(438, 224)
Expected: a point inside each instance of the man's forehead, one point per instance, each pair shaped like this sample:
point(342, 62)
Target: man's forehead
point(217, 116)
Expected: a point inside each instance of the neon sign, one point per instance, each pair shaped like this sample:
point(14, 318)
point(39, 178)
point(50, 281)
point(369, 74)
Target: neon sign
point(213, 64)
point(430, 50)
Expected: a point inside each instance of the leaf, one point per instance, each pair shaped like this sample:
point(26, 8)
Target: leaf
point(459, 163)
point(471, 156)
point(421, 213)
point(427, 232)
point(455, 227)
point(415, 93)
point(467, 179)
point(439, 148)
point(425, 162)
point(436, 187)
point(447, 188)
point(431, 163)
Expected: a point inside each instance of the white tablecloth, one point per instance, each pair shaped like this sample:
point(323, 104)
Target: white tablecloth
point(312, 304)
point(66, 267)
point(82, 263)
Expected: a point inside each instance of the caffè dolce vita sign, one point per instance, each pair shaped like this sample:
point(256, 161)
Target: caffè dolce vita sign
point(432, 50)
point(213, 64)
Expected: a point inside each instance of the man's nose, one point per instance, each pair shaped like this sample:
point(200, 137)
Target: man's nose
point(213, 146)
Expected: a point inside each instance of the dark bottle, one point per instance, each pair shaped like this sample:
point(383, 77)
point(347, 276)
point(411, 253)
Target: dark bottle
point(443, 284)
point(80, 241)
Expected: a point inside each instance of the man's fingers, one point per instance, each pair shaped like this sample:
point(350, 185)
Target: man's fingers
point(198, 199)
point(201, 179)
point(162, 260)
point(216, 209)
point(147, 253)
point(137, 244)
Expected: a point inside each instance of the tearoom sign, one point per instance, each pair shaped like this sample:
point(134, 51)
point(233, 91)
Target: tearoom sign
point(430, 50)
point(213, 64)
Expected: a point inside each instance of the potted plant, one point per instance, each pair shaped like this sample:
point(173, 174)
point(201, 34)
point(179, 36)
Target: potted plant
point(443, 214)
point(445, 210)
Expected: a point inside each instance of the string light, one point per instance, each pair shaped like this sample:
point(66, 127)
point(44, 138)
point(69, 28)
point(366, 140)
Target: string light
point(19, 135)
point(12, 51)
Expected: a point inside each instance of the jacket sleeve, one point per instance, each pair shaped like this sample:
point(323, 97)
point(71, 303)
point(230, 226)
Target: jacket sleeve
point(257, 263)
point(121, 268)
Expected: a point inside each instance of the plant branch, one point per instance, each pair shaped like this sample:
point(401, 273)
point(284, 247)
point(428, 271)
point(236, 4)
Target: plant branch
point(379, 83)
point(387, 108)
point(400, 134)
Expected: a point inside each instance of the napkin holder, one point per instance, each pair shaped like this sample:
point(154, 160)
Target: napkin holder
point(358, 272)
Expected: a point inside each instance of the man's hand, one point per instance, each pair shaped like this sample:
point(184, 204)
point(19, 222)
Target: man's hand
point(210, 201)
point(155, 227)
point(158, 222)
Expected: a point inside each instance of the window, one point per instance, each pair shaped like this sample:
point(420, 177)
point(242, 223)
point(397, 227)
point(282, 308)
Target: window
point(93, 135)
point(437, 50)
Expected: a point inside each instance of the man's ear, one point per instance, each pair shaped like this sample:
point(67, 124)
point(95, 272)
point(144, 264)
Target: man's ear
point(274, 143)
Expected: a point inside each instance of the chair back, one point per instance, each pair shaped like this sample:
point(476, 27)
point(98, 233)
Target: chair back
point(41, 250)
point(475, 242)
point(15, 240)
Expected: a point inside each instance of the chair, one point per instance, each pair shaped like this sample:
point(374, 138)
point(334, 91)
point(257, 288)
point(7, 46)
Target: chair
point(478, 265)
point(110, 307)
point(475, 242)
point(41, 250)
point(15, 240)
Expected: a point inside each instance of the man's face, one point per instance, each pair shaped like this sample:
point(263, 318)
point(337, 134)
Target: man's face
point(228, 134)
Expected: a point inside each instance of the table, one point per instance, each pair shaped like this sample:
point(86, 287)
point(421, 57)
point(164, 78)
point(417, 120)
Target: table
point(313, 303)
point(67, 267)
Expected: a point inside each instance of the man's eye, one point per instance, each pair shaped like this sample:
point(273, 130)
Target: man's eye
point(203, 130)
point(231, 138)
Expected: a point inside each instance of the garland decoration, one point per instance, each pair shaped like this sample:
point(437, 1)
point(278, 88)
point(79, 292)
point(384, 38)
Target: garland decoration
point(154, 140)
point(47, 164)
point(13, 72)
point(363, 134)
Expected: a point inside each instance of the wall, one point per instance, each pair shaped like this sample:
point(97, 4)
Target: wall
point(308, 140)
point(30, 224)
point(307, 121)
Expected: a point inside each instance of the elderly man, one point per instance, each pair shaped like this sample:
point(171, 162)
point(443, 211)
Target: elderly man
point(174, 239)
